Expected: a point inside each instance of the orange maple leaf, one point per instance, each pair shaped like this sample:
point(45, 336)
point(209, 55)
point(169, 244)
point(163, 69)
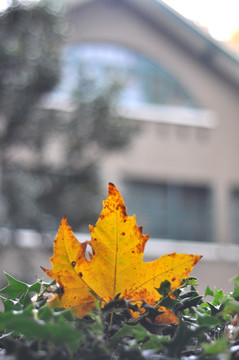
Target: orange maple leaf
point(116, 266)
point(74, 293)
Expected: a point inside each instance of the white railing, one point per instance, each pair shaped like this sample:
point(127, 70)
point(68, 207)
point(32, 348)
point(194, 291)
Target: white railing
point(153, 249)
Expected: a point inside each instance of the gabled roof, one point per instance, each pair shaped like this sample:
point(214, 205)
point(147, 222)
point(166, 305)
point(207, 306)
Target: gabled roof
point(193, 39)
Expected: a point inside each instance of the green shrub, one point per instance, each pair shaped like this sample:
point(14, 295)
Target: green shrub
point(207, 329)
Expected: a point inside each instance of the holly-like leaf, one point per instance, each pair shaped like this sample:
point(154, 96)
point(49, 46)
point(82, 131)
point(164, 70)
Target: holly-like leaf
point(116, 265)
point(32, 328)
point(16, 287)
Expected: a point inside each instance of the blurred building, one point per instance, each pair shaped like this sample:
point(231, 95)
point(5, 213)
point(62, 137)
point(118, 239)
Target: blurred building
point(181, 173)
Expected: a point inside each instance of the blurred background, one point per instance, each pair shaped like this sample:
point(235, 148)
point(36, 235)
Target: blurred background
point(133, 92)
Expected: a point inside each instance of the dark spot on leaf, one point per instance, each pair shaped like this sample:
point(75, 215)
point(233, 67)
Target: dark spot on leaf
point(140, 247)
point(173, 279)
point(80, 274)
point(133, 251)
point(171, 255)
point(73, 263)
point(102, 216)
point(123, 233)
point(60, 290)
point(111, 189)
point(123, 209)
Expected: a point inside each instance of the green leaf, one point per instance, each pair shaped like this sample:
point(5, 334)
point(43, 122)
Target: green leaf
point(168, 302)
point(36, 287)
point(207, 320)
point(215, 309)
point(209, 291)
point(231, 308)
point(189, 281)
point(218, 297)
point(10, 304)
point(218, 347)
point(24, 323)
point(236, 279)
point(14, 287)
point(165, 288)
point(181, 338)
point(62, 314)
point(136, 331)
point(193, 301)
point(187, 303)
point(25, 300)
point(235, 293)
point(188, 294)
point(155, 342)
point(45, 313)
point(204, 308)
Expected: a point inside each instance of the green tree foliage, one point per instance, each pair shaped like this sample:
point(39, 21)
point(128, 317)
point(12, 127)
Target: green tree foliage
point(50, 156)
point(30, 66)
point(30, 41)
point(87, 133)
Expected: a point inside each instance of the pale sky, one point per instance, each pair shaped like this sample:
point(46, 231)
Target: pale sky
point(3, 4)
point(220, 17)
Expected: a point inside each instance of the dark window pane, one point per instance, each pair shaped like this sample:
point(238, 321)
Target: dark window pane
point(171, 211)
point(234, 207)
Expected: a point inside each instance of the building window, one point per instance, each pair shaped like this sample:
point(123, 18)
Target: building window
point(234, 215)
point(171, 211)
point(145, 82)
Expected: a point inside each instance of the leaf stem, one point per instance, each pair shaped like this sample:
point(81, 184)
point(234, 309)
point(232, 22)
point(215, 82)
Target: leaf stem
point(111, 317)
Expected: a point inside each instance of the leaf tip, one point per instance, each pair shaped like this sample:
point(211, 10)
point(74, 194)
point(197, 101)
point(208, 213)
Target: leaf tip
point(199, 257)
point(64, 220)
point(112, 189)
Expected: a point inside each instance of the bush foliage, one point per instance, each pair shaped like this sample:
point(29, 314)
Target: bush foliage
point(208, 326)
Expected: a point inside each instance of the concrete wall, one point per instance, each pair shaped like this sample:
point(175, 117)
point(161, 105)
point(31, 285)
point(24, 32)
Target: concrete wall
point(169, 152)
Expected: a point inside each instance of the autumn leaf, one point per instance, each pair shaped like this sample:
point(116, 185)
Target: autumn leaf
point(116, 266)
point(74, 292)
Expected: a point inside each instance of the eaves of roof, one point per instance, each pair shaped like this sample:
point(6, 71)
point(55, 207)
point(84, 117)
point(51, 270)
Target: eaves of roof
point(185, 33)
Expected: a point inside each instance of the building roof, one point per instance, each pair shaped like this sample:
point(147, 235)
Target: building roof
point(197, 42)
